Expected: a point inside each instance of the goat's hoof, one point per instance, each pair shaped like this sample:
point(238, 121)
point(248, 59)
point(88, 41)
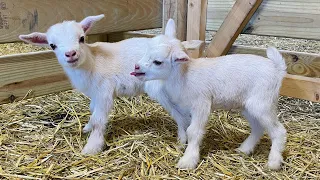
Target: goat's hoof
point(244, 151)
point(275, 162)
point(187, 163)
point(90, 151)
point(92, 148)
point(87, 128)
point(274, 165)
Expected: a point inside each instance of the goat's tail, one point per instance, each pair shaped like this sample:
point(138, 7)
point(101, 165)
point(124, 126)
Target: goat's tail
point(280, 65)
point(277, 59)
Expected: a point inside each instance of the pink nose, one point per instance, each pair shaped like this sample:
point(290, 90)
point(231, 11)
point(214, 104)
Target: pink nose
point(136, 67)
point(71, 53)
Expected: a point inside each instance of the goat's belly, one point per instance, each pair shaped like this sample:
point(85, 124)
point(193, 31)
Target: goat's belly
point(226, 105)
point(129, 89)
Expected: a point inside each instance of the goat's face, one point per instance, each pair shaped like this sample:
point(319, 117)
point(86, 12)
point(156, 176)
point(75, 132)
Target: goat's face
point(66, 39)
point(163, 56)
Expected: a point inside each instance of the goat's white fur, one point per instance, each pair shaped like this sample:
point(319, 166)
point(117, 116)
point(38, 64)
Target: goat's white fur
point(196, 86)
point(102, 72)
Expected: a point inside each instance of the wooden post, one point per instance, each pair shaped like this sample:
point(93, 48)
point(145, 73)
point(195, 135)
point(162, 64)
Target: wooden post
point(197, 19)
point(194, 48)
point(176, 10)
point(232, 26)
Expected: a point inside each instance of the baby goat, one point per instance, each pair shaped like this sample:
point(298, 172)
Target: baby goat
point(196, 86)
point(101, 71)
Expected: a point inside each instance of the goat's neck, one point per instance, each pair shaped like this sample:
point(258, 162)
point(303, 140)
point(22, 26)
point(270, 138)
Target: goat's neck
point(176, 80)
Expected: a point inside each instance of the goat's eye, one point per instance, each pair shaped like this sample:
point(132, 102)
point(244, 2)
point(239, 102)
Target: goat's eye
point(81, 40)
point(158, 63)
point(53, 46)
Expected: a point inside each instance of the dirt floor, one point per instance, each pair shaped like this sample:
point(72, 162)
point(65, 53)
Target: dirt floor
point(41, 138)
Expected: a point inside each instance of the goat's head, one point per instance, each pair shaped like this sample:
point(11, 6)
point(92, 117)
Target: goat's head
point(164, 53)
point(66, 39)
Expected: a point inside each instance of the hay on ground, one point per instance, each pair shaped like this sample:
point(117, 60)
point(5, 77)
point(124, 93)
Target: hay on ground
point(42, 138)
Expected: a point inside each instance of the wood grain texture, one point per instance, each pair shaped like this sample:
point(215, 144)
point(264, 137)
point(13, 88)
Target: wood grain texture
point(115, 37)
point(196, 23)
point(301, 87)
point(23, 17)
point(298, 63)
point(203, 20)
point(176, 10)
point(287, 18)
point(194, 48)
point(232, 26)
point(38, 72)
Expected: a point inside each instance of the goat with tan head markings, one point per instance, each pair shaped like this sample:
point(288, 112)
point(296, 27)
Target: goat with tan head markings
point(101, 71)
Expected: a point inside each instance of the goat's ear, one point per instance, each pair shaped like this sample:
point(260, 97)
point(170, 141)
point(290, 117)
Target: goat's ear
point(170, 29)
point(180, 57)
point(36, 38)
point(88, 22)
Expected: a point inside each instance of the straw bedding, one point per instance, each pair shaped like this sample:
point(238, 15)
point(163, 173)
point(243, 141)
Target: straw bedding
point(41, 138)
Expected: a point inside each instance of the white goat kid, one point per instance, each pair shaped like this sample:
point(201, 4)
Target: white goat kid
point(100, 70)
point(246, 82)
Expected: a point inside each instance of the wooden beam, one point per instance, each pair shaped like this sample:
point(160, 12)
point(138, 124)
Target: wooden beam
point(298, 63)
point(39, 72)
point(194, 48)
point(284, 18)
point(97, 38)
point(23, 17)
point(301, 87)
point(176, 10)
point(115, 37)
point(232, 26)
point(197, 19)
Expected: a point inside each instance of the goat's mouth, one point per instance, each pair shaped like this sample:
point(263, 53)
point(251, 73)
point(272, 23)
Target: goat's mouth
point(73, 61)
point(137, 74)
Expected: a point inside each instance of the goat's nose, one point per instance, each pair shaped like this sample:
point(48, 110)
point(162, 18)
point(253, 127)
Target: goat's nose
point(71, 53)
point(136, 67)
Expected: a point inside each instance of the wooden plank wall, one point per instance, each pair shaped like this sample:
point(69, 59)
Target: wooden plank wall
point(26, 16)
point(302, 81)
point(298, 63)
point(39, 72)
point(286, 18)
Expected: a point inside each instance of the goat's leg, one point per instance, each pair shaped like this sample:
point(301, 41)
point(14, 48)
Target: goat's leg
point(266, 116)
point(181, 117)
point(88, 127)
point(257, 131)
point(200, 113)
point(98, 121)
